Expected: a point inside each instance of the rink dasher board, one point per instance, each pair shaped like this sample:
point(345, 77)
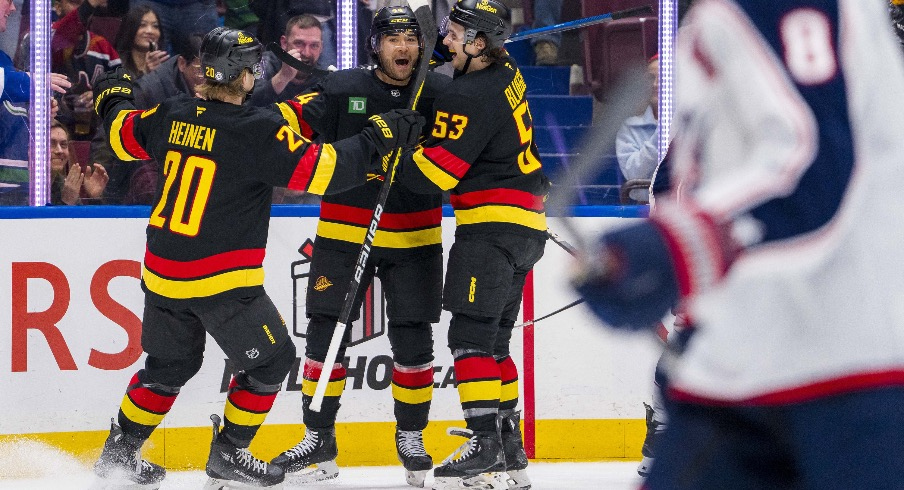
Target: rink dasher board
point(71, 298)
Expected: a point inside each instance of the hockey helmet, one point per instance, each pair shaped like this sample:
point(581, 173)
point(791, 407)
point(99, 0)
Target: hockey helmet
point(226, 52)
point(388, 19)
point(490, 17)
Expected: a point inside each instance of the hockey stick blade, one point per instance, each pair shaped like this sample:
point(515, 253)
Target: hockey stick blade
point(579, 23)
point(294, 62)
point(427, 26)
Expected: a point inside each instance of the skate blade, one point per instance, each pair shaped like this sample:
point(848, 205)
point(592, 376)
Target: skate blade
point(218, 484)
point(323, 471)
point(416, 478)
point(483, 481)
point(115, 484)
point(518, 480)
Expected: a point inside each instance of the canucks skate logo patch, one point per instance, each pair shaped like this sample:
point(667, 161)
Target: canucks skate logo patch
point(357, 105)
point(322, 283)
point(253, 353)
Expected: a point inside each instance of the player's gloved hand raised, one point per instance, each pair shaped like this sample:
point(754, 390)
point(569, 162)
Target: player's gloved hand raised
point(394, 129)
point(110, 86)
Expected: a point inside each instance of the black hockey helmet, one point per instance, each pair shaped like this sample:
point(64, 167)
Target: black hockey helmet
point(226, 52)
point(490, 17)
point(398, 18)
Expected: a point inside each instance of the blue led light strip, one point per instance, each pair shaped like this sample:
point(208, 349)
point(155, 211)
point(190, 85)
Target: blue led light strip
point(668, 18)
point(39, 163)
point(347, 33)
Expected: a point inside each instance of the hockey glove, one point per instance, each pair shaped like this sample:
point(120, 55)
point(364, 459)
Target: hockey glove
point(441, 54)
point(639, 272)
point(394, 129)
point(111, 86)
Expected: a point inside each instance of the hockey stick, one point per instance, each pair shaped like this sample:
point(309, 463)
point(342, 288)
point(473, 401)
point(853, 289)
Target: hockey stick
point(562, 243)
point(427, 26)
point(575, 24)
point(628, 94)
point(294, 62)
point(535, 320)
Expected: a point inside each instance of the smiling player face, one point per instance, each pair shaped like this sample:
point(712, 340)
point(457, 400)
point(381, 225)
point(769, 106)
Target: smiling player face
point(398, 52)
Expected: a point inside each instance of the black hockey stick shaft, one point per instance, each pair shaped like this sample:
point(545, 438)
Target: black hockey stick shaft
point(576, 24)
point(427, 26)
point(562, 243)
point(544, 317)
point(294, 62)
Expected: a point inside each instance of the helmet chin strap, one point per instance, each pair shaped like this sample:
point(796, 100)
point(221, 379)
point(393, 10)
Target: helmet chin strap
point(470, 56)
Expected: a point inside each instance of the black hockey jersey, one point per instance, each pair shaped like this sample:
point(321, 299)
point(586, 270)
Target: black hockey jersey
point(219, 162)
point(338, 107)
point(481, 148)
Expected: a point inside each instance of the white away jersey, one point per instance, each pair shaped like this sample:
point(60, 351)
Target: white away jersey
point(791, 117)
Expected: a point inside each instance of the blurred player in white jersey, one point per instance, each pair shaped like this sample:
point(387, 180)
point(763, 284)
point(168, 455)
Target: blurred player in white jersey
point(784, 251)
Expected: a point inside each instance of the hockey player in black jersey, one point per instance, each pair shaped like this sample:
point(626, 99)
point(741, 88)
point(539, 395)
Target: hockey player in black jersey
point(206, 240)
point(481, 150)
point(406, 256)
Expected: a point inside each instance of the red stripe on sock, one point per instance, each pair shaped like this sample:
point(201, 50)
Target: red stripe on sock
point(476, 367)
point(312, 371)
point(414, 379)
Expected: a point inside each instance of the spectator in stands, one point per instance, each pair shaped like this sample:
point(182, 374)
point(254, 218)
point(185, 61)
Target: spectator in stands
point(70, 183)
point(139, 41)
point(896, 10)
point(82, 56)
point(303, 41)
point(61, 8)
point(546, 47)
point(180, 18)
point(637, 142)
point(13, 20)
point(134, 182)
point(15, 92)
point(179, 74)
point(275, 14)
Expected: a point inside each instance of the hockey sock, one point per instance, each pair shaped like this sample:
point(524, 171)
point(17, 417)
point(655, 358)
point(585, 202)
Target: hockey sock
point(479, 388)
point(144, 405)
point(247, 404)
point(412, 390)
point(326, 417)
point(509, 377)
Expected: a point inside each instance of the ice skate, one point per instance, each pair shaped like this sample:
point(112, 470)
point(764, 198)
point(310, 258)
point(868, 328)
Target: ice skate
point(479, 463)
point(317, 448)
point(513, 447)
point(413, 456)
point(120, 466)
point(654, 428)
point(232, 467)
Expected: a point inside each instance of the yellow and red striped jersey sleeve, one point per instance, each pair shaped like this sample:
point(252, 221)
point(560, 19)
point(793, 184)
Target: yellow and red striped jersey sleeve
point(122, 135)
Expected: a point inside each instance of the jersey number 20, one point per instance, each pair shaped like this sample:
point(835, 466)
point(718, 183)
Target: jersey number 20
point(197, 172)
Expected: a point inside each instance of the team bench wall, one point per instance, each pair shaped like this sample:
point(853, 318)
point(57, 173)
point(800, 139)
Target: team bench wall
point(70, 326)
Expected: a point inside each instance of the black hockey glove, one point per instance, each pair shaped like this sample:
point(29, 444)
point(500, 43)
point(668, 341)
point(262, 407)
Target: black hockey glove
point(111, 86)
point(394, 129)
point(441, 54)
